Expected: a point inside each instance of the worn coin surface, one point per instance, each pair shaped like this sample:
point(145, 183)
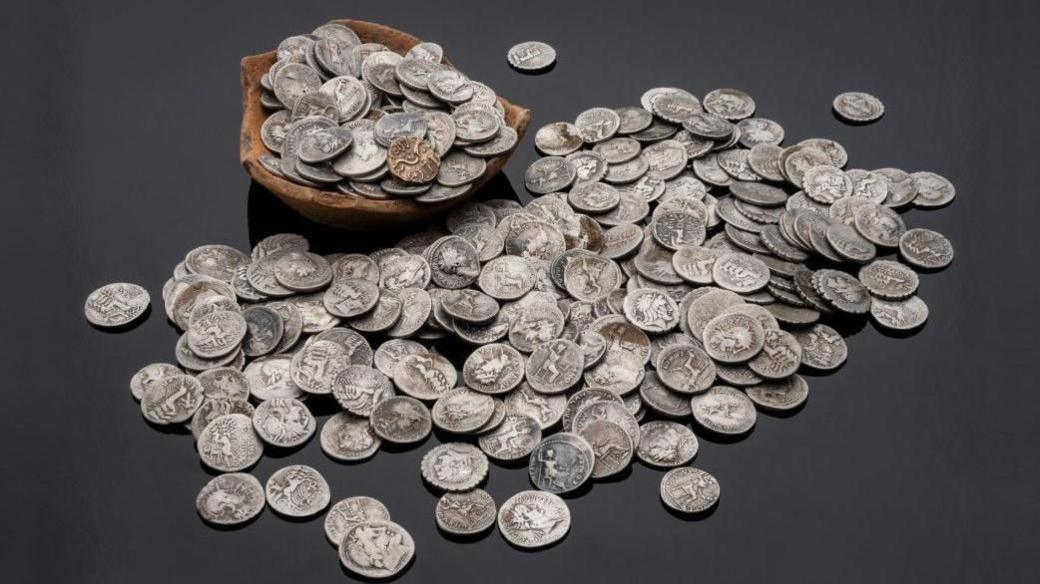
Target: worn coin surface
point(425, 376)
point(150, 375)
point(925, 248)
point(555, 366)
point(666, 444)
point(651, 310)
point(462, 411)
point(348, 438)
point(823, 347)
point(455, 466)
point(115, 305)
point(515, 437)
point(265, 328)
point(284, 422)
point(689, 490)
point(723, 410)
point(547, 410)
point(780, 395)
point(531, 56)
point(534, 519)
point(376, 549)
point(781, 355)
point(611, 445)
point(229, 443)
point(733, 337)
point(172, 400)
point(561, 463)
point(351, 511)
point(297, 490)
point(888, 279)
point(401, 420)
point(465, 513)
point(899, 315)
point(858, 107)
point(230, 499)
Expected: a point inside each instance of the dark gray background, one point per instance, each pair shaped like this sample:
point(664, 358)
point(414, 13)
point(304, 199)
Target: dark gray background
point(916, 462)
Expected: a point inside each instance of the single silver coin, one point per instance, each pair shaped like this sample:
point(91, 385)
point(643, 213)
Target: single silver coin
point(561, 463)
point(297, 491)
point(271, 377)
point(780, 357)
point(116, 305)
point(888, 279)
point(779, 395)
point(666, 444)
point(724, 410)
point(229, 443)
point(611, 445)
point(582, 398)
point(264, 330)
point(513, 438)
point(606, 410)
point(926, 249)
point(558, 139)
point(284, 422)
point(324, 145)
point(230, 499)
point(150, 375)
point(689, 490)
point(465, 513)
point(823, 348)
point(531, 56)
point(425, 376)
point(843, 291)
point(350, 297)
point(493, 369)
point(879, 224)
point(455, 466)
point(213, 408)
point(351, 511)
point(462, 411)
point(899, 315)
point(547, 410)
point(933, 190)
point(401, 420)
point(348, 438)
point(315, 367)
point(302, 271)
point(597, 124)
point(858, 107)
point(555, 366)
point(534, 519)
point(661, 399)
point(376, 549)
point(733, 337)
point(172, 400)
point(549, 174)
point(651, 310)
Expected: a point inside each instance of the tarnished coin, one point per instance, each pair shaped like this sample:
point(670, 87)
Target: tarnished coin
point(585, 397)
point(555, 366)
point(172, 399)
point(607, 410)
point(549, 174)
point(151, 375)
point(462, 411)
point(933, 190)
point(689, 490)
point(534, 519)
point(515, 437)
point(822, 347)
point(493, 369)
point(561, 463)
point(879, 224)
point(454, 262)
point(324, 145)
point(425, 376)
point(780, 395)
point(450, 85)
point(535, 325)
point(781, 355)
point(302, 271)
point(315, 367)
point(666, 444)
point(858, 107)
point(348, 438)
point(229, 443)
point(849, 244)
point(888, 279)
point(365, 155)
point(826, 184)
point(732, 104)
point(506, 278)
point(392, 351)
point(376, 549)
point(297, 490)
point(265, 328)
point(401, 420)
point(115, 305)
point(926, 249)
point(413, 160)
point(213, 408)
point(739, 272)
point(547, 410)
point(531, 56)
point(899, 315)
point(724, 410)
point(465, 513)
point(661, 399)
point(651, 310)
point(455, 466)
point(612, 446)
point(843, 291)
point(674, 229)
point(590, 277)
point(733, 337)
point(384, 316)
point(230, 499)
point(558, 139)
point(593, 197)
point(284, 422)
point(352, 511)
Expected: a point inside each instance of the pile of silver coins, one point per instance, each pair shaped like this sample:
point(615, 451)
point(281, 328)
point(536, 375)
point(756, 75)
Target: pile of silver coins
point(364, 120)
point(670, 280)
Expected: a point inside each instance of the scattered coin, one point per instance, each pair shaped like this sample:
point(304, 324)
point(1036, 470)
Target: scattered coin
point(455, 466)
point(352, 511)
point(666, 444)
point(115, 305)
point(531, 56)
point(465, 513)
point(858, 107)
point(689, 490)
point(230, 499)
point(534, 519)
point(376, 549)
point(297, 490)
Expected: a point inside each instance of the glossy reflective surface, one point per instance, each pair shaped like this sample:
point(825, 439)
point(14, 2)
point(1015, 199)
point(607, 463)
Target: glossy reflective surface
point(914, 462)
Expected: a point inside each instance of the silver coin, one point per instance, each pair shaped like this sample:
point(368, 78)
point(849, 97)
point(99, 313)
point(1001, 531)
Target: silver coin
point(555, 366)
point(315, 367)
point(780, 357)
point(404, 271)
point(858, 107)
point(872, 186)
point(826, 184)
point(843, 291)
point(229, 443)
point(293, 81)
point(401, 420)
point(348, 438)
point(585, 397)
point(611, 444)
point(284, 422)
point(270, 377)
point(558, 139)
point(724, 410)
point(666, 444)
point(302, 271)
point(689, 490)
point(486, 240)
point(116, 305)
point(536, 325)
point(588, 165)
point(465, 513)
point(274, 129)
point(822, 347)
point(888, 279)
point(224, 383)
point(506, 278)
point(633, 119)
point(455, 466)
point(462, 411)
point(150, 375)
point(230, 499)
point(764, 160)
point(493, 369)
point(694, 263)
point(933, 190)
point(425, 376)
point(349, 297)
point(651, 310)
point(597, 124)
point(590, 277)
point(213, 408)
point(661, 399)
point(879, 224)
point(384, 316)
point(531, 56)
point(376, 549)
point(899, 315)
point(392, 351)
point(733, 337)
point(454, 262)
point(365, 155)
point(450, 85)
point(549, 174)
point(561, 463)
point(349, 512)
point(458, 169)
point(265, 328)
point(628, 171)
point(686, 368)
point(547, 410)
point(607, 410)
point(172, 399)
point(927, 249)
point(337, 57)
point(593, 197)
point(534, 519)
point(780, 395)
point(849, 243)
point(297, 490)
point(324, 145)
